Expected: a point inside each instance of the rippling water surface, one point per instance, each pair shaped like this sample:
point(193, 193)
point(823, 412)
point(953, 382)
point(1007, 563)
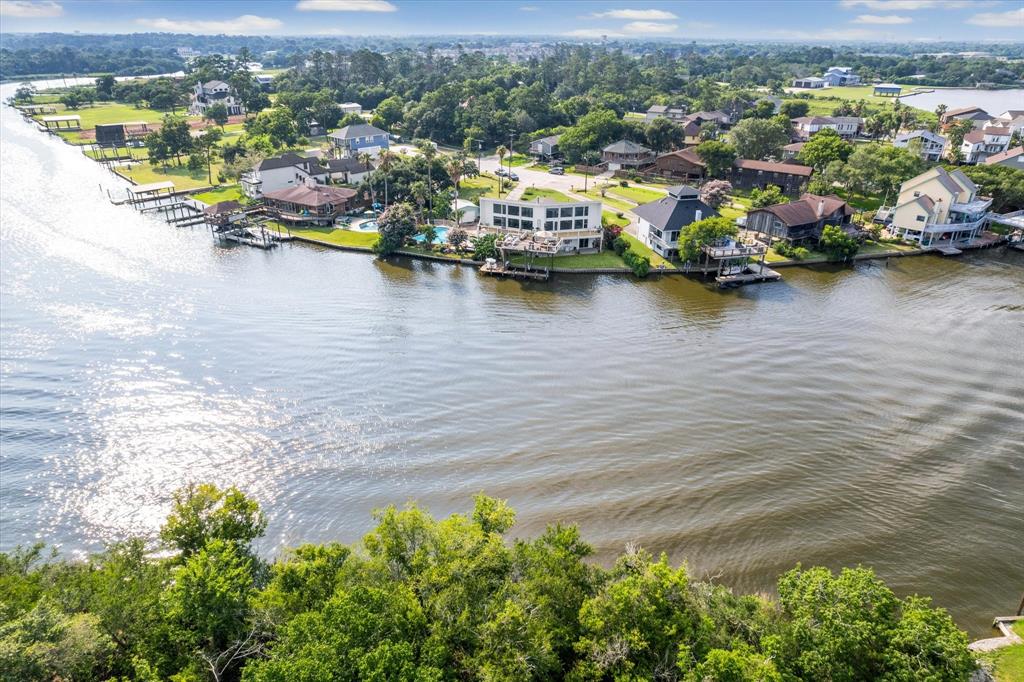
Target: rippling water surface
point(871, 415)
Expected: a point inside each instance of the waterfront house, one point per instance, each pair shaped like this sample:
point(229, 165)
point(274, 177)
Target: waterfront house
point(887, 90)
point(626, 154)
point(846, 126)
point(1012, 120)
point(568, 225)
point(1011, 158)
point(681, 164)
point(838, 76)
point(281, 172)
point(975, 115)
point(938, 208)
point(656, 111)
point(932, 146)
point(353, 140)
point(350, 108)
point(659, 222)
point(545, 147)
point(791, 178)
point(978, 145)
point(346, 170)
point(311, 203)
point(812, 82)
point(801, 221)
point(206, 95)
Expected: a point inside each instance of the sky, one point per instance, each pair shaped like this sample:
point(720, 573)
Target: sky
point(801, 20)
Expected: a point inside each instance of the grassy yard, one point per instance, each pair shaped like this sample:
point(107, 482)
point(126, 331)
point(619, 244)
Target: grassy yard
point(1008, 662)
point(639, 195)
point(638, 247)
point(111, 112)
point(331, 235)
point(517, 160)
point(610, 202)
point(610, 218)
point(485, 185)
point(861, 202)
point(871, 246)
point(144, 173)
point(531, 193)
point(730, 212)
point(225, 193)
point(605, 259)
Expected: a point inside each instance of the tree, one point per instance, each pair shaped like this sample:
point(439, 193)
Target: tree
point(663, 135)
point(838, 245)
point(396, 224)
point(456, 166)
point(390, 111)
point(277, 123)
point(72, 99)
point(218, 113)
point(48, 644)
point(715, 192)
point(708, 131)
point(484, 247)
point(769, 196)
point(823, 148)
point(428, 150)
point(207, 142)
point(757, 139)
point(763, 108)
point(1004, 184)
point(717, 156)
point(385, 161)
point(203, 513)
point(880, 168)
point(105, 87)
point(25, 92)
point(501, 151)
point(458, 238)
point(177, 136)
point(593, 131)
point(794, 108)
point(701, 233)
point(157, 148)
point(956, 133)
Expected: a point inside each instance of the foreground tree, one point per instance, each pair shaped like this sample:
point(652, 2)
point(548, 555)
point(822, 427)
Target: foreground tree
point(714, 193)
point(396, 224)
point(701, 233)
point(201, 513)
point(823, 148)
point(717, 156)
point(756, 138)
point(838, 245)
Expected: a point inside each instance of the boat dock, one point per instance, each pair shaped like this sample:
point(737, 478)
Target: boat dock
point(748, 274)
point(496, 269)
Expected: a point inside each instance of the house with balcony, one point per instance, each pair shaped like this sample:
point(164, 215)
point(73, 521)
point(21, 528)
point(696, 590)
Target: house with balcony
point(281, 172)
point(656, 111)
point(801, 221)
point(938, 208)
point(976, 115)
point(682, 164)
point(1011, 158)
point(1012, 120)
point(626, 154)
point(659, 222)
point(359, 138)
point(932, 146)
point(838, 76)
point(567, 226)
point(206, 95)
point(310, 203)
point(978, 145)
point(847, 127)
point(545, 147)
point(791, 178)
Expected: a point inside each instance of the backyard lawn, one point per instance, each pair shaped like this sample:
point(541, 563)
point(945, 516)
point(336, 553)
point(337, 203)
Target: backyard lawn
point(639, 195)
point(609, 201)
point(181, 176)
point(111, 112)
point(225, 193)
point(485, 185)
point(531, 193)
point(610, 218)
point(639, 248)
point(331, 235)
point(584, 261)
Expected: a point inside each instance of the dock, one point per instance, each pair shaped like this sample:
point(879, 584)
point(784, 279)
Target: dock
point(749, 274)
point(948, 250)
point(496, 269)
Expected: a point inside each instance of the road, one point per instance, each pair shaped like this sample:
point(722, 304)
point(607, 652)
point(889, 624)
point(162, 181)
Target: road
point(542, 179)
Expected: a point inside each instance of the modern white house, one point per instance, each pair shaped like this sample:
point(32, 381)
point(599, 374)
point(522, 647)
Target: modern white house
point(933, 146)
point(674, 114)
point(661, 221)
point(846, 126)
point(350, 108)
point(978, 145)
point(809, 82)
point(206, 95)
point(939, 208)
point(281, 172)
point(838, 76)
point(576, 225)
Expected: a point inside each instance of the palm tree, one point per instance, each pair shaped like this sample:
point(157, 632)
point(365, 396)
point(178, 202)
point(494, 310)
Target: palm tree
point(501, 151)
point(419, 192)
point(429, 152)
point(386, 158)
point(588, 160)
point(456, 167)
point(366, 159)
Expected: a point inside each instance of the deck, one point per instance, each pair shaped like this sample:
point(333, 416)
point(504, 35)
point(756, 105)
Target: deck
point(503, 270)
point(753, 272)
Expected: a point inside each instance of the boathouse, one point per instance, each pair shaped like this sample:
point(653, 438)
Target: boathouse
point(66, 122)
point(887, 90)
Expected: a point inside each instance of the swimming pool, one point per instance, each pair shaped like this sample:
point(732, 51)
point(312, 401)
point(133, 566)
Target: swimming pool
point(365, 226)
point(440, 236)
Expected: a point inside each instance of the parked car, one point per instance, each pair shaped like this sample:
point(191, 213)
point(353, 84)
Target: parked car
point(513, 176)
point(501, 173)
point(557, 170)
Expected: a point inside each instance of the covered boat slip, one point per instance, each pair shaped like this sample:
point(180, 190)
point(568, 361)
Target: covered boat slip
point(66, 122)
point(736, 263)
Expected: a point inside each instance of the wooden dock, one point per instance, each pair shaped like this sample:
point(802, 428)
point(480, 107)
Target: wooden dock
point(751, 273)
point(948, 250)
point(504, 270)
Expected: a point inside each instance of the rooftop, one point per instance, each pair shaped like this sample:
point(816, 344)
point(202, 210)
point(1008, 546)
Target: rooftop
point(317, 195)
point(357, 130)
point(676, 210)
point(772, 167)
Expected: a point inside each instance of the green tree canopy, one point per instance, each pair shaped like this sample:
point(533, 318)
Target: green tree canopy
point(756, 138)
point(717, 156)
point(701, 233)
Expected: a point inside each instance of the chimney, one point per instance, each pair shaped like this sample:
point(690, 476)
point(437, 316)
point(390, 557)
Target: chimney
point(821, 207)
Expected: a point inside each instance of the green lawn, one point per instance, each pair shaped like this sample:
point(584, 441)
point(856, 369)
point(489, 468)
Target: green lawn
point(485, 185)
point(871, 246)
point(531, 193)
point(605, 259)
point(1009, 661)
point(609, 201)
point(225, 193)
point(611, 218)
point(639, 248)
point(861, 202)
point(112, 112)
point(639, 195)
point(331, 235)
point(144, 173)
point(517, 160)
point(730, 212)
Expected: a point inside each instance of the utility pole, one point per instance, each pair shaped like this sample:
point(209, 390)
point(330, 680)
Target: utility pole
point(511, 136)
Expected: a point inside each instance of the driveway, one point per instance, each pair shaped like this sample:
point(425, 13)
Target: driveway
point(542, 179)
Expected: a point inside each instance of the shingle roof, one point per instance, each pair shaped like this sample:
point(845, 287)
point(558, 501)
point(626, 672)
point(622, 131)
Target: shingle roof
point(804, 210)
point(962, 110)
point(771, 167)
point(675, 211)
point(317, 195)
point(686, 155)
point(209, 85)
point(287, 160)
point(1003, 156)
point(222, 207)
point(974, 137)
point(549, 140)
point(356, 130)
point(626, 147)
point(345, 165)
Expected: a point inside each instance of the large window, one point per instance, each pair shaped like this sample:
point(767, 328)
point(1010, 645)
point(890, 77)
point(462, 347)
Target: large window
point(527, 212)
point(499, 208)
point(567, 212)
point(513, 222)
point(581, 210)
point(499, 221)
point(580, 224)
point(512, 210)
point(551, 213)
point(550, 225)
point(566, 224)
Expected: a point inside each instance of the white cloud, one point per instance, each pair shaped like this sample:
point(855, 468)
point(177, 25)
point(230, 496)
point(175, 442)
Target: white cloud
point(911, 5)
point(1012, 19)
point(649, 27)
point(529, 8)
point(345, 6)
point(23, 9)
point(882, 19)
point(635, 14)
point(247, 24)
point(592, 33)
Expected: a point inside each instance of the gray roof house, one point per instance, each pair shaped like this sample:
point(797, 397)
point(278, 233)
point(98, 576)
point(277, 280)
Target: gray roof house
point(661, 221)
point(545, 147)
point(359, 138)
point(626, 154)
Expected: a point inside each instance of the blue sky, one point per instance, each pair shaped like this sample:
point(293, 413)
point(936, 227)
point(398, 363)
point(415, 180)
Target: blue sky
point(824, 20)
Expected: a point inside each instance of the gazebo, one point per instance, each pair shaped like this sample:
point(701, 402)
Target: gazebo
point(66, 122)
point(887, 90)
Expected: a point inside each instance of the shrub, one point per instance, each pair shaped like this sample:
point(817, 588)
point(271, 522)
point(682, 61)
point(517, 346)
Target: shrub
point(484, 247)
point(800, 253)
point(640, 265)
point(783, 248)
point(620, 245)
point(623, 183)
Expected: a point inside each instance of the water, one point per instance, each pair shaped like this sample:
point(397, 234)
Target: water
point(440, 236)
point(839, 417)
point(994, 102)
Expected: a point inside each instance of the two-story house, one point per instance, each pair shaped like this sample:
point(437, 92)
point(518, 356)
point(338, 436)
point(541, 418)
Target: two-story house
point(281, 172)
point(576, 225)
point(660, 222)
point(932, 146)
point(360, 138)
point(837, 76)
point(791, 178)
point(1011, 158)
point(545, 147)
point(800, 221)
point(847, 127)
point(1012, 120)
point(975, 115)
point(674, 114)
point(682, 164)
point(626, 154)
point(978, 145)
point(205, 95)
point(939, 208)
